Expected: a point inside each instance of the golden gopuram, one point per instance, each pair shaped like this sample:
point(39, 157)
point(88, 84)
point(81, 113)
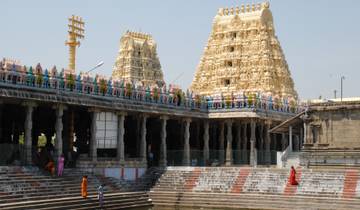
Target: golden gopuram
point(137, 60)
point(243, 55)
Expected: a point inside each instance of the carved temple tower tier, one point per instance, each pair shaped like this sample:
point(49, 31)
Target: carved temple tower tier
point(137, 60)
point(243, 55)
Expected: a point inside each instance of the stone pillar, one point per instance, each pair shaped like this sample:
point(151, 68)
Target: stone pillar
point(163, 151)
point(206, 142)
point(28, 133)
point(301, 140)
point(229, 155)
point(71, 129)
point(290, 138)
point(238, 137)
point(261, 146)
point(253, 161)
point(186, 157)
point(120, 152)
point(296, 143)
point(93, 141)
point(308, 134)
point(143, 140)
point(283, 141)
point(59, 131)
point(305, 133)
point(238, 143)
point(245, 153)
point(197, 135)
point(267, 144)
point(221, 143)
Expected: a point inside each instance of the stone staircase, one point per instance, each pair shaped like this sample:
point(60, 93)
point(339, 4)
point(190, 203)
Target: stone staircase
point(256, 188)
point(31, 188)
point(293, 159)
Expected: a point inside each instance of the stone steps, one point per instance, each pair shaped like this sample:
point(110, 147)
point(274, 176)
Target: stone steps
point(254, 201)
point(24, 188)
point(111, 200)
point(321, 186)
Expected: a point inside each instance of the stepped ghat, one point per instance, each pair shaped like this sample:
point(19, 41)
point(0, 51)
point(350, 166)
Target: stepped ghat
point(243, 56)
point(256, 188)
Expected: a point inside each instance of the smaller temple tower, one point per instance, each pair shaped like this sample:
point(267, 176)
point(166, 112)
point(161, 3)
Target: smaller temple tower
point(76, 31)
point(137, 60)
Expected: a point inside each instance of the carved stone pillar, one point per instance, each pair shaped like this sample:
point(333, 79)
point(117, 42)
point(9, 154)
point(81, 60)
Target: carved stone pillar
point(163, 151)
point(120, 152)
point(28, 132)
point(221, 143)
point(229, 155)
point(59, 130)
point(93, 140)
point(186, 157)
point(253, 161)
point(245, 153)
point(143, 139)
point(206, 142)
point(267, 144)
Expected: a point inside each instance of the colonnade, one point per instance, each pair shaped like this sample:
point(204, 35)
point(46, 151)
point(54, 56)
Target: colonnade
point(245, 136)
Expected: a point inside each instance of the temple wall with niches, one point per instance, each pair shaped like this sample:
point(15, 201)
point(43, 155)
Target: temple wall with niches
point(335, 129)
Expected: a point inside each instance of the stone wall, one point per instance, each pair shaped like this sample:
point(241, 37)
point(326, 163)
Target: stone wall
point(334, 126)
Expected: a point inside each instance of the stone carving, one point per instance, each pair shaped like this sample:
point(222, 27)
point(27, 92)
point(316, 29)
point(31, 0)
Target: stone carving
point(138, 60)
point(243, 55)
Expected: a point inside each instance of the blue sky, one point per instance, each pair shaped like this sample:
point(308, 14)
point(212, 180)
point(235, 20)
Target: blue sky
point(320, 39)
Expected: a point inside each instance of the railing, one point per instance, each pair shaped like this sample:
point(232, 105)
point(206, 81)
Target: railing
point(173, 97)
point(218, 157)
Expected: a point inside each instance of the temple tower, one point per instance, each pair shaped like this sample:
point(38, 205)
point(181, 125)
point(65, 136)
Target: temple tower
point(137, 60)
point(243, 55)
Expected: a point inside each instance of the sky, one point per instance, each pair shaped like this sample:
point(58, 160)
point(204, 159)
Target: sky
point(320, 39)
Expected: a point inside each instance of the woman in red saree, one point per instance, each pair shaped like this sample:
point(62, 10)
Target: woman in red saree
point(293, 176)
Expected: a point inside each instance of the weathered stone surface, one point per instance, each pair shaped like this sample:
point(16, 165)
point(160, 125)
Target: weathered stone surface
point(333, 126)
